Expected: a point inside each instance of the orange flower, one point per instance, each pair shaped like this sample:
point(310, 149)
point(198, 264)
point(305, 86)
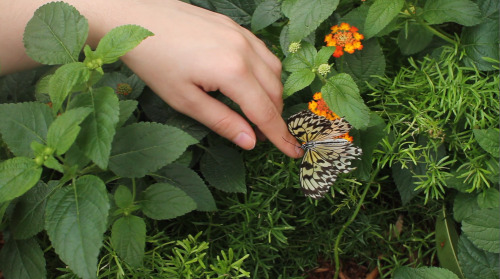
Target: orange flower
point(319, 107)
point(344, 38)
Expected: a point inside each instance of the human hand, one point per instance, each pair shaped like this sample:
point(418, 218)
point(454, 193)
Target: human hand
point(195, 51)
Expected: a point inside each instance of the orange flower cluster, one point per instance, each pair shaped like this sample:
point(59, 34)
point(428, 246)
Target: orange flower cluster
point(319, 107)
point(344, 38)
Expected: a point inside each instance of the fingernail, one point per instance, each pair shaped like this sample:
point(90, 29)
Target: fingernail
point(244, 141)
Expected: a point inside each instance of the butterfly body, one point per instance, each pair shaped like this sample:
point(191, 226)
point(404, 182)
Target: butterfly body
point(325, 155)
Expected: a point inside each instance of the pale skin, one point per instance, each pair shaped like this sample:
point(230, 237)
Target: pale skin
point(193, 51)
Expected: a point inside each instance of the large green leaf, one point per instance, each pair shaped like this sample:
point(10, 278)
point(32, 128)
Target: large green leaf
point(190, 182)
point(414, 38)
point(22, 259)
point(55, 34)
point(482, 228)
point(406, 272)
point(163, 201)
point(22, 124)
point(98, 129)
point(17, 87)
point(464, 12)
point(17, 176)
point(76, 218)
point(306, 15)
point(489, 140)
point(489, 198)
point(223, 168)
point(296, 81)
point(477, 263)
point(364, 65)
point(380, 14)
point(28, 215)
point(64, 130)
point(141, 148)
point(370, 138)
point(266, 13)
point(239, 10)
point(464, 205)
point(342, 96)
point(119, 41)
point(127, 107)
point(128, 237)
point(63, 80)
point(446, 243)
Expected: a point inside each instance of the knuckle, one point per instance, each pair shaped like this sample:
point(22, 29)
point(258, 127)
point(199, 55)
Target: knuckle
point(222, 126)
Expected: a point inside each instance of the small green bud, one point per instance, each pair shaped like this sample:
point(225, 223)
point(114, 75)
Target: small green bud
point(39, 160)
point(48, 150)
point(324, 69)
point(294, 47)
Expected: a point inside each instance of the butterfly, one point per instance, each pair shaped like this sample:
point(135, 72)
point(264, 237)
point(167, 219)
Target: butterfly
point(325, 155)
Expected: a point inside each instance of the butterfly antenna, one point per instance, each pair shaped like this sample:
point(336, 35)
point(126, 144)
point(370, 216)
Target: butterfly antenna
point(294, 144)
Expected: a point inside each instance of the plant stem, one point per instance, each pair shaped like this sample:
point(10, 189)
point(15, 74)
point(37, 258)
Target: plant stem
point(439, 34)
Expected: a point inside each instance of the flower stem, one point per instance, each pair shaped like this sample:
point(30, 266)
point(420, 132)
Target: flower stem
point(437, 33)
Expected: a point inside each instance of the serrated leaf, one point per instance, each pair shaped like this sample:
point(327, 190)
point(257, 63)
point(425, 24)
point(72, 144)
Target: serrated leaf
point(190, 182)
point(17, 176)
point(123, 197)
point(464, 12)
point(128, 237)
point(477, 263)
point(28, 215)
point(239, 10)
point(303, 59)
point(55, 34)
point(266, 13)
point(119, 41)
point(480, 42)
point(296, 81)
point(342, 96)
point(127, 107)
point(64, 130)
point(63, 80)
point(188, 125)
point(489, 198)
point(414, 39)
point(98, 129)
point(324, 54)
point(489, 140)
point(446, 243)
point(482, 228)
point(17, 87)
point(405, 272)
point(76, 218)
point(163, 201)
point(223, 168)
point(380, 14)
point(22, 124)
point(464, 205)
point(22, 259)
point(364, 65)
point(141, 148)
point(306, 15)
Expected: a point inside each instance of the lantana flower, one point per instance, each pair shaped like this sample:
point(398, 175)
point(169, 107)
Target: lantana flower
point(344, 37)
point(319, 107)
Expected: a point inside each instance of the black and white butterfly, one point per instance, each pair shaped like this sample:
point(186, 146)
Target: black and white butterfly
point(325, 155)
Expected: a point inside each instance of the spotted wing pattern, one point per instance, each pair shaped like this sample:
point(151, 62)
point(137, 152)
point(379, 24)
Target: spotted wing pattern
point(325, 155)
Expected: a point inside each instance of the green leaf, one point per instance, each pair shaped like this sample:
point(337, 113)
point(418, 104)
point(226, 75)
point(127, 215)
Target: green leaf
point(489, 140)
point(188, 125)
point(163, 201)
point(127, 107)
point(380, 14)
point(297, 80)
point(22, 124)
point(141, 148)
point(324, 54)
point(414, 39)
point(370, 138)
point(17, 87)
point(123, 197)
point(303, 59)
point(128, 237)
point(266, 13)
point(342, 96)
point(306, 15)
point(477, 263)
point(489, 198)
point(239, 10)
point(223, 168)
point(464, 12)
point(482, 227)
point(98, 129)
point(55, 34)
point(119, 41)
point(63, 80)
point(64, 130)
point(22, 259)
point(405, 272)
point(76, 218)
point(464, 205)
point(364, 65)
point(28, 215)
point(17, 176)
point(190, 182)
point(446, 243)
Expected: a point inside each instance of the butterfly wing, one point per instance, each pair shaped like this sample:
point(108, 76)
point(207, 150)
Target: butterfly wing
point(307, 126)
